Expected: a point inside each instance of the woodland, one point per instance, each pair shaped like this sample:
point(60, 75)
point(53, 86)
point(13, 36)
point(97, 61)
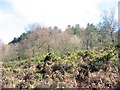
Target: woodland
point(77, 57)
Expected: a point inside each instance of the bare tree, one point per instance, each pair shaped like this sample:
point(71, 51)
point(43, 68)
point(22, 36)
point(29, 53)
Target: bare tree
point(119, 29)
point(110, 23)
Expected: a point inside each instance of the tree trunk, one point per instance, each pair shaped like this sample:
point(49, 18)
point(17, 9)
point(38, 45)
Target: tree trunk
point(87, 44)
point(48, 48)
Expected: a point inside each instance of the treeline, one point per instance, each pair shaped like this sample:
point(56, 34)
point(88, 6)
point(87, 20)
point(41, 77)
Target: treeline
point(40, 40)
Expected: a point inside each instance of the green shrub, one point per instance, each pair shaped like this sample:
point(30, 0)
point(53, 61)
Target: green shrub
point(62, 85)
point(54, 85)
point(36, 75)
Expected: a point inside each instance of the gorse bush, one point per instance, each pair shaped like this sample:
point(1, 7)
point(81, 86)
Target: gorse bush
point(58, 71)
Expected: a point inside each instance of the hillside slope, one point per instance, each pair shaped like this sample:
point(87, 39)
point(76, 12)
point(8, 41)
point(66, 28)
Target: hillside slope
point(79, 69)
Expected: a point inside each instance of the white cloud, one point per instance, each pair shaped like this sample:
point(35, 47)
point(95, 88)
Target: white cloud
point(10, 26)
point(58, 12)
point(62, 12)
point(51, 13)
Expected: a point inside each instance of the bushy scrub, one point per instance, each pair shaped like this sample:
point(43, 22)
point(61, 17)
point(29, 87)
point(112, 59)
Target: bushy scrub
point(51, 70)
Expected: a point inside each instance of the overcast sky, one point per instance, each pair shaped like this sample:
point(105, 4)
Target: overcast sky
point(15, 15)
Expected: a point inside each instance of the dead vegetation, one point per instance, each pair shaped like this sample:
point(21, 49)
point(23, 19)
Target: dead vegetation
point(70, 71)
